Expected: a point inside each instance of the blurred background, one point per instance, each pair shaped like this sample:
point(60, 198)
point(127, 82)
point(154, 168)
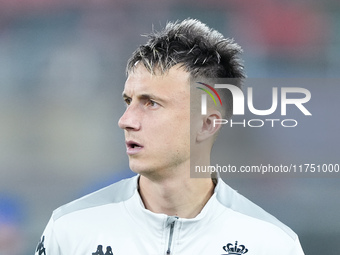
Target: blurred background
point(62, 71)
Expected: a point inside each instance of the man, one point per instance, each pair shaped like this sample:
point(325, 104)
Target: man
point(162, 210)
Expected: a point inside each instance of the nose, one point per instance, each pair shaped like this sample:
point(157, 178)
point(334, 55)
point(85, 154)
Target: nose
point(130, 119)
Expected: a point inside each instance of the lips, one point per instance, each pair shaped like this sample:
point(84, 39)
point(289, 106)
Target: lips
point(133, 147)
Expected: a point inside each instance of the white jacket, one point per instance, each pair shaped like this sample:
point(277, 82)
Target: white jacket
point(114, 220)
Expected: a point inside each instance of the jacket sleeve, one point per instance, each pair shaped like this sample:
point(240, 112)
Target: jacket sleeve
point(48, 244)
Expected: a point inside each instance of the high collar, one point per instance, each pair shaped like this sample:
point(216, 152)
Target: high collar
point(158, 221)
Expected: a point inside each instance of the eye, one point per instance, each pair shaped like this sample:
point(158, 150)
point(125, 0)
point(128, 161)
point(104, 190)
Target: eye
point(127, 100)
point(152, 103)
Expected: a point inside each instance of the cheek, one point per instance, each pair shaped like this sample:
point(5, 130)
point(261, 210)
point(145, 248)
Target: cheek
point(175, 134)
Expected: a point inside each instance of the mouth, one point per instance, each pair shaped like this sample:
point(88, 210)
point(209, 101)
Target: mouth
point(133, 147)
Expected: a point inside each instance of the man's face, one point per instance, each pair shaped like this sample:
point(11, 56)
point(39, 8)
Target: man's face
point(156, 122)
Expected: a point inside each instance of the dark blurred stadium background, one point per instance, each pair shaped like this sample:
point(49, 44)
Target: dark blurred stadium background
point(62, 70)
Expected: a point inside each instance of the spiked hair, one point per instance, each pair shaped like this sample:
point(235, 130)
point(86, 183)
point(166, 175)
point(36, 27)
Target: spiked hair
point(202, 51)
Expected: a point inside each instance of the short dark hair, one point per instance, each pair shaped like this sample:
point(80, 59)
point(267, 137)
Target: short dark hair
point(200, 50)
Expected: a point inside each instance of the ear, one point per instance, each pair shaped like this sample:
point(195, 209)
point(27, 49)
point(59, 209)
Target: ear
point(209, 127)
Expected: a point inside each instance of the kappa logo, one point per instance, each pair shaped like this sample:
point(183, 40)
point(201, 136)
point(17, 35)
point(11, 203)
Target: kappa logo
point(234, 249)
point(99, 250)
point(40, 248)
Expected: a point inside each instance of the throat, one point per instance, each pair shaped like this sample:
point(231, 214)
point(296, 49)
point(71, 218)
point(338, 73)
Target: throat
point(185, 200)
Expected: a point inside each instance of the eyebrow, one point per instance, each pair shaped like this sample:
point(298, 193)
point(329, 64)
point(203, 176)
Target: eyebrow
point(145, 96)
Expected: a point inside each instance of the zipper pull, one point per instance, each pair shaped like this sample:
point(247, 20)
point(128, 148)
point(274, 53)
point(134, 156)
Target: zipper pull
point(171, 220)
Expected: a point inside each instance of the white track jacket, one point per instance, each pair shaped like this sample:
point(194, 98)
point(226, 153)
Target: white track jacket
point(114, 220)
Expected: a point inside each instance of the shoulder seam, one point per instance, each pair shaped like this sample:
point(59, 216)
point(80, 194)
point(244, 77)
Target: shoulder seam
point(114, 193)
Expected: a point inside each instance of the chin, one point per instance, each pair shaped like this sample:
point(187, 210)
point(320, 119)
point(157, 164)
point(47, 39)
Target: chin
point(145, 170)
point(139, 168)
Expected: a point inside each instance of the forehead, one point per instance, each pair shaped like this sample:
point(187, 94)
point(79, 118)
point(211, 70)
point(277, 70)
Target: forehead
point(141, 81)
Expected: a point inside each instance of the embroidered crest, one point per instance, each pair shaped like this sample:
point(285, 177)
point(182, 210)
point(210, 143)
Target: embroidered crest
point(234, 249)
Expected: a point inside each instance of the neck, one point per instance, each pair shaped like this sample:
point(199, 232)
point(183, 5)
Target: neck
point(177, 195)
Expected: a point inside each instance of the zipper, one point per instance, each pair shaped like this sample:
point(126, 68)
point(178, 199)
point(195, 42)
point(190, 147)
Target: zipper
point(171, 221)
